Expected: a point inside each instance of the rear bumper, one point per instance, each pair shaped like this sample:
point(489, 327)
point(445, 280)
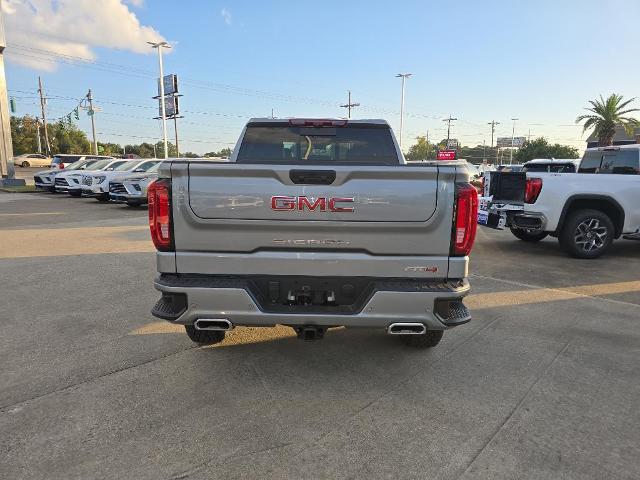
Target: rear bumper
point(187, 298)
point(529, 221)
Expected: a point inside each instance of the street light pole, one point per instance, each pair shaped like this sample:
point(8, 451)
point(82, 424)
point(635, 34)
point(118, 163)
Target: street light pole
point(160, 46)
point(513, 132)
point(404, 76)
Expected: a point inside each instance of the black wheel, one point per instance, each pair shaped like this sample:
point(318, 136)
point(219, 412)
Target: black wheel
point(429, 339)
point(204, 337)
point(24, 164)
point(75, 193)
point(101, 197)
point(528, 235)
point(587, 234)
point(134, 204)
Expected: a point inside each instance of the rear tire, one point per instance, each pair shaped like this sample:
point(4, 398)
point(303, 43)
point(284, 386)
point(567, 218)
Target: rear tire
point(204, 337)
point(429, 339)
point(587, 234)
point(528, 235)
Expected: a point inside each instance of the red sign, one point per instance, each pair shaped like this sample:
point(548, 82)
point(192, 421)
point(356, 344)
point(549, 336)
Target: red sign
point(446, 155)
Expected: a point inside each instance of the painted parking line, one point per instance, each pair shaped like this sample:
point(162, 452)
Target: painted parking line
point(532, 294)
point(475, 302)
point(52, 242)
point(30, 214)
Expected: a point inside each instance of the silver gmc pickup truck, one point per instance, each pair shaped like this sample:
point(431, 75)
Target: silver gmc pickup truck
point(313, 224)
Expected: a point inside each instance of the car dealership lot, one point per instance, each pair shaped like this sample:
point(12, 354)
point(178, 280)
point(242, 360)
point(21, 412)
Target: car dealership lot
point(543, 383)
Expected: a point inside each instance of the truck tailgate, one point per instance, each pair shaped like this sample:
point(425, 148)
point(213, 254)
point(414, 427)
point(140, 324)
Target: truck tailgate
point(249, 216)
point(390, 194)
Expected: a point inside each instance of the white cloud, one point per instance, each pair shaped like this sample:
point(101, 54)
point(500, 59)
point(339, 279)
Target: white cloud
point(72, 27)
point(226, 15)
point(136, 3)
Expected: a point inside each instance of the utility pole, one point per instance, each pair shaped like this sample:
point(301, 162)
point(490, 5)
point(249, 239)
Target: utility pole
point(92, 114)
point(272, 117)
point(513, 132)
point(404, 76)
point(155, 154)
point(449, 120)
point(428, 146)
point(349, 105)
point(484, 150)
point(160, 46)
point(38, 134)
point(175, 129)
point(493, 124)
point(43, 102)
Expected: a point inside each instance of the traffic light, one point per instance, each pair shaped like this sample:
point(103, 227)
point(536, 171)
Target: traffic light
point(12, 105)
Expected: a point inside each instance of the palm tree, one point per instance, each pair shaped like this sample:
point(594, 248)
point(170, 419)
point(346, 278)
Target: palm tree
point(606, 114)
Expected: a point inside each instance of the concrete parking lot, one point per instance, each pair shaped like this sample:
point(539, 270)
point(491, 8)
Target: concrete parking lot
point(544, 383)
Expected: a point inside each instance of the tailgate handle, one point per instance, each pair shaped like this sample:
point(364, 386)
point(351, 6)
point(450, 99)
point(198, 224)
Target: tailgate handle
point(312, 177)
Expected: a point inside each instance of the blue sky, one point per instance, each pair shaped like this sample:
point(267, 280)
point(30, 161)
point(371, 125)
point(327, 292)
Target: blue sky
point(538, 60)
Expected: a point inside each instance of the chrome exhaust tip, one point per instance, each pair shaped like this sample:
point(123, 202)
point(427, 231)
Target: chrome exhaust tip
point(219, 324)
point(406, 329)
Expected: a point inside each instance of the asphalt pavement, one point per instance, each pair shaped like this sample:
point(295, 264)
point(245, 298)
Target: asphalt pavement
point(542, 384)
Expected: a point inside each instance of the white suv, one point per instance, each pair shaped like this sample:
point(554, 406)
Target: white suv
point(96, 184)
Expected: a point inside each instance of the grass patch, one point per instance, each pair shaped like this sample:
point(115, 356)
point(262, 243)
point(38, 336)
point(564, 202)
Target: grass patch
point(19, 189)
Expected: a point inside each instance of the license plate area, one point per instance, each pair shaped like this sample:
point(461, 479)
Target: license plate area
point(335, 295)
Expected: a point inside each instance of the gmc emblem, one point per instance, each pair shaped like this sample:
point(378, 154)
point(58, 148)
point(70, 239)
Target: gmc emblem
point(332, 204)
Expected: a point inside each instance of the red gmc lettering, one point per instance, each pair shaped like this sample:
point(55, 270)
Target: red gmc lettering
point(283, 203)
point(334, 208)
point(319, 203)
point(335, 204)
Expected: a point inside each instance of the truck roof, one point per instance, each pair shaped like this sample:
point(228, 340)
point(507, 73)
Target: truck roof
point(366, 121)
point(552, 161)
point(633, 146)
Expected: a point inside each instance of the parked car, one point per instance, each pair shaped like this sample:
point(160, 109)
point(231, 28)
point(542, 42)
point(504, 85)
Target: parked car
point(132, 188)
point(556, 165)
point(44, 180)
point(509, 168)
point(31, 160)
point(97, 184)
point(586, 210)
point(312, 224)
point(64, 160)
point(70, 181)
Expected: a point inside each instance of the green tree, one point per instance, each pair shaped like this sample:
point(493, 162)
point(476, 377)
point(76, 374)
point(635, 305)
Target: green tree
point(109, 149)
point(541, 148)
point(24, 133)
point(67, 138)
point(170, 147)
point(190, 155)
point(225, 152)
point(421, 150)
point(605, 115)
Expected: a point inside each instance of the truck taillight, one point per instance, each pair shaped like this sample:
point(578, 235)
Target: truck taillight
point(465, 222)
point(532, 190)
point(159, 198)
